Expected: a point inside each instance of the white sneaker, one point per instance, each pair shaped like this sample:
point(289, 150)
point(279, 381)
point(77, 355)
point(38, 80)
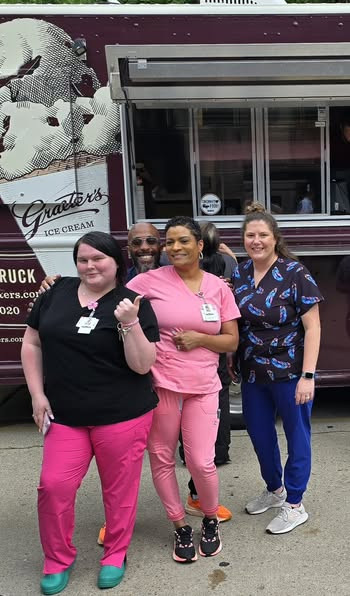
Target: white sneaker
point(266, 501)
point(288, 518)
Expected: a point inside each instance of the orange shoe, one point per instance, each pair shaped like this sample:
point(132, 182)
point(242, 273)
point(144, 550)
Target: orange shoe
point(193, 507)
point(101, 535)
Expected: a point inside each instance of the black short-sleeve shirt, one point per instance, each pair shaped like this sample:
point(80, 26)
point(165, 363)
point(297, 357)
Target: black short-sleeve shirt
point(87, 379)
point(271, 330)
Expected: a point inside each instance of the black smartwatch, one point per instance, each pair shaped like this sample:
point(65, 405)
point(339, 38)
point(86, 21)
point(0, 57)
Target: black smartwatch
point(308, 375)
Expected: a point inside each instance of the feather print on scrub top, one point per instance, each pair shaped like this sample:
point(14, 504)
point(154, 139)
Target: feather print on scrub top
point(271, 329)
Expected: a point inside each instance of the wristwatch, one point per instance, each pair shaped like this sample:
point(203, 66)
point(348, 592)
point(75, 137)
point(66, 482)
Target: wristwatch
point(308, 375)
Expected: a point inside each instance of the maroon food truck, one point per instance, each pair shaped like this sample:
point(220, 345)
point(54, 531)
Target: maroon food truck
point(111, 114)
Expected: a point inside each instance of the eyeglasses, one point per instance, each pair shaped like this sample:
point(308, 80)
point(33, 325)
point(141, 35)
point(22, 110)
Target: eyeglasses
point(137, 242)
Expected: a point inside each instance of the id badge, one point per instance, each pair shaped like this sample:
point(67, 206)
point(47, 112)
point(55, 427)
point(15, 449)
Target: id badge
point(86, 324)
point(209, 312)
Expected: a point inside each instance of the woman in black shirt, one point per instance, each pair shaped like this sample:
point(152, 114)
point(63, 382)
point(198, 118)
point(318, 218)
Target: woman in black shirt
point(86, 354)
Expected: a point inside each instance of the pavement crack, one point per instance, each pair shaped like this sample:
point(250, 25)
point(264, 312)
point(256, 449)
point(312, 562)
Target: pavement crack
point(9, 448)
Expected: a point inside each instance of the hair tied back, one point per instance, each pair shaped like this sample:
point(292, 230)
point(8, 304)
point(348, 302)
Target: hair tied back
point(255, 208)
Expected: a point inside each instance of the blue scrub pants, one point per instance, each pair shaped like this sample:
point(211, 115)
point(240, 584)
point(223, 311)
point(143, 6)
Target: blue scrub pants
point(261, 403)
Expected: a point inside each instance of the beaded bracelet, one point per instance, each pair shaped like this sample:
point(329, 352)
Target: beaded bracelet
point(123, 329)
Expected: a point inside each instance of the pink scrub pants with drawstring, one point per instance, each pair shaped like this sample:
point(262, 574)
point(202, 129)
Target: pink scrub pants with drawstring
point(118, 449)
point(197, 417)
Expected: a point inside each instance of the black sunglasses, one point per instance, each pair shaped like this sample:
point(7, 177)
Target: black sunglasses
point(151, 240)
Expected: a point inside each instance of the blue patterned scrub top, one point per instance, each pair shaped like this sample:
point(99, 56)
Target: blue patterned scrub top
point(271, 330)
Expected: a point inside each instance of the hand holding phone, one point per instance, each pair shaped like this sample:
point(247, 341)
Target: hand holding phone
point(46, 424)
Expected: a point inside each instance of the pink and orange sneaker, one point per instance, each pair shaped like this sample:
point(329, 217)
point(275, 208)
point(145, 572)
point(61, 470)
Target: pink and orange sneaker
point(101, 535)
point(193, 507)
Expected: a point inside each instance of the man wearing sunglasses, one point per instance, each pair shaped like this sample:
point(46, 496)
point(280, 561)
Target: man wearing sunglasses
point(144, 248)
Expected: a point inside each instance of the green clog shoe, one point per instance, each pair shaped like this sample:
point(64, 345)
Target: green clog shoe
point(53, 583)
point(110, 576)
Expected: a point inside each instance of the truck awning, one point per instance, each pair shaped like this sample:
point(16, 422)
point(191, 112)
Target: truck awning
point(175, 75)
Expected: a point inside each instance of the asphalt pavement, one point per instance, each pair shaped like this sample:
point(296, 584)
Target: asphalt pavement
point(312, 560)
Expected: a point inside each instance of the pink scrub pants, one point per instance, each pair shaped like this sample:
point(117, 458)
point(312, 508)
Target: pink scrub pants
point(118, 449)
point(198, 418)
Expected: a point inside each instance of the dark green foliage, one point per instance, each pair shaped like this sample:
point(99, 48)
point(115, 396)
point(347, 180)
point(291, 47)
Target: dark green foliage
point(51, 2)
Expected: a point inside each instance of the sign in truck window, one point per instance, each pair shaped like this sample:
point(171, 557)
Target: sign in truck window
point(210, 204)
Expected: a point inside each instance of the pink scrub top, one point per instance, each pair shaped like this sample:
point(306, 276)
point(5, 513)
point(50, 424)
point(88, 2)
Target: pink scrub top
point(178, 308)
